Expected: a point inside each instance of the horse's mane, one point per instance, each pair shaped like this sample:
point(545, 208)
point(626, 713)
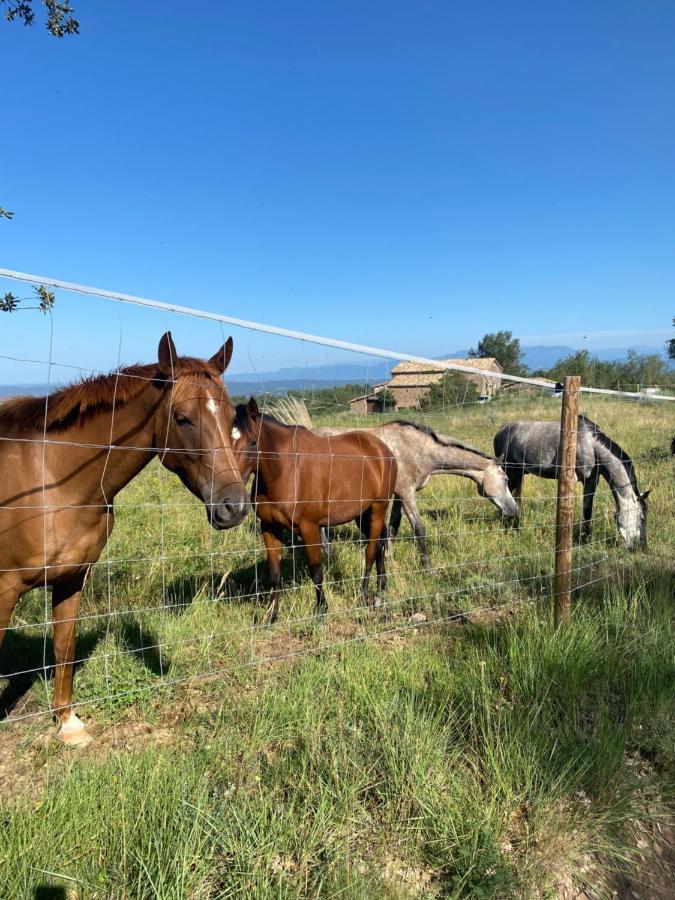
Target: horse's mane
point(449, 442)
point(242, 418)
point(268, 417)
point(60, 409)
point(613, 448)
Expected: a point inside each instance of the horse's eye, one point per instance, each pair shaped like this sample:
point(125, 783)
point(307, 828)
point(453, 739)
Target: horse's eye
point(182, 420)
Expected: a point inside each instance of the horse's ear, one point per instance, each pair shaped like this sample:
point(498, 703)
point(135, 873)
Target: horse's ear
point(646, 494)
point(221, 359)
point(166, 353)
point(252, 408)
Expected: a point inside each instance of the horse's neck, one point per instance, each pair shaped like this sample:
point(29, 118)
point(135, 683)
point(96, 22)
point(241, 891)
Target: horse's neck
point(448, 460)
point(275, 443)
point(115, 447)
point(615, 473)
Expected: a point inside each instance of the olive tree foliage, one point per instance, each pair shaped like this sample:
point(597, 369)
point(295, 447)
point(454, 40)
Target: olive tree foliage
point(43, 297)
point(454, 389)
point(60, 22)
point(387, 399)
point(504, 348)
point(636, 369)
point(60, 19)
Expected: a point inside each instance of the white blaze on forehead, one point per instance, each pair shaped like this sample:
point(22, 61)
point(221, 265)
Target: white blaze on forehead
point(236, 434)
point(214, 407)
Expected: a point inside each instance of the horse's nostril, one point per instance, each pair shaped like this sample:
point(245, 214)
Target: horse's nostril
point(228, 512)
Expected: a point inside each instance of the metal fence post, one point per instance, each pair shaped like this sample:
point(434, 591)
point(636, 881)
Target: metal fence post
point(564, 522)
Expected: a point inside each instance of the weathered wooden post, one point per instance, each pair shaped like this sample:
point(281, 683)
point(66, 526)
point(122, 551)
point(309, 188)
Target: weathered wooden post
point(564, 521)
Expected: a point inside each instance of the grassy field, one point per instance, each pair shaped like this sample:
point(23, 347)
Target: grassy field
point(472, 751)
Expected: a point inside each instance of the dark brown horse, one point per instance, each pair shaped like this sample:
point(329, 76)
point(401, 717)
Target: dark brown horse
point(65, 457)
point(304, 482)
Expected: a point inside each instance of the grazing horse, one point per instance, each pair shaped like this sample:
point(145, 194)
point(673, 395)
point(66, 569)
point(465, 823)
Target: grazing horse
point(531, 448)
point(420, 453)
point(304, 482)
point(65, 457)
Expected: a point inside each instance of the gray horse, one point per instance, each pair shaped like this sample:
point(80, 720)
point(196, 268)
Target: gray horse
point(531, 448)
point(420, 453)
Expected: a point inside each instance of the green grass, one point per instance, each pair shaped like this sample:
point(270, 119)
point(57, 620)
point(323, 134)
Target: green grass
point(488, 757)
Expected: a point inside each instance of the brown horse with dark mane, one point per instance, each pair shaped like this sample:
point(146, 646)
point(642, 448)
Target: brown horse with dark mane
point(304, 482)
point(65, 457)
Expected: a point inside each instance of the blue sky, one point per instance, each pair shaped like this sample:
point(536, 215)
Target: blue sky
point(402, 175)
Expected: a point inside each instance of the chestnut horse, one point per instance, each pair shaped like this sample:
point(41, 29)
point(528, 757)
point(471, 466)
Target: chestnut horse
point(304, 482)
point(65, 457)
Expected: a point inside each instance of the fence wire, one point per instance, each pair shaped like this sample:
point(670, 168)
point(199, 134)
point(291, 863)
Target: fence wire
point(170, 599)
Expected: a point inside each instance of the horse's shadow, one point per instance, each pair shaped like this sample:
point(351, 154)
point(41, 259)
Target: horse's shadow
point(243, 586)
point(249, 584)
point(27, 658)
point(50, 892)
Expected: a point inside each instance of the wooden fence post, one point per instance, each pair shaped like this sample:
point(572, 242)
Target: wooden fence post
point(564, 520)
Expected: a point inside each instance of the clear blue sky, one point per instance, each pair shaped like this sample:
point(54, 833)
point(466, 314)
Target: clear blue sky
point(405, 175)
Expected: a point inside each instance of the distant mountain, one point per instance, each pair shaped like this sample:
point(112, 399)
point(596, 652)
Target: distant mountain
point(301, 378)
point(280, 386)
point(309, 378)
point(334, 372)
point(32, 390)
point(612, 354)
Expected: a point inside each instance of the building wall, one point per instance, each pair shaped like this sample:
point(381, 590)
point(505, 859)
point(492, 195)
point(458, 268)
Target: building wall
point(408, 397)
point(365, 405)
point(359, 406)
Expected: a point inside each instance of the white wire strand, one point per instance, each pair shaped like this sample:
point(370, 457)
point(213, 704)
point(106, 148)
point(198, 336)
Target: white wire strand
point(291, 333)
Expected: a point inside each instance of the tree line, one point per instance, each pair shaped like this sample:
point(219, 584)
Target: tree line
point(636, 369)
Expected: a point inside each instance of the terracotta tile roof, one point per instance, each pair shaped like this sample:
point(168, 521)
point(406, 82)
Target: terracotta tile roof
point(485, 362)
point(419, 379)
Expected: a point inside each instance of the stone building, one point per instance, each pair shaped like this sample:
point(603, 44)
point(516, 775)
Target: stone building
point(368, 403)
point(410, 382)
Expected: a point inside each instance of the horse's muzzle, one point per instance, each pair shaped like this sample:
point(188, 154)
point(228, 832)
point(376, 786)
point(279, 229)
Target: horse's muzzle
point(229, 509)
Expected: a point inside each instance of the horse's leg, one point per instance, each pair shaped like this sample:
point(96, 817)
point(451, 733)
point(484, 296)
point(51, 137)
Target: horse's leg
point(66, 596)
point(273, 544)
point(311, 538)
point(514, 478)
point(395, 517)
point(364, 522)
point(590, 485)
point(10, 591)
point(412, 512)
point(378, 532)
point(372, 524)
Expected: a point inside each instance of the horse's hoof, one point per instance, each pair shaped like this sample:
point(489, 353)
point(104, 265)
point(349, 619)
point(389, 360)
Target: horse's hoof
point(73, 732)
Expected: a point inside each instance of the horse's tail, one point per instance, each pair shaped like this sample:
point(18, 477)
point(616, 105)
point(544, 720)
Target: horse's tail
point(291, 411)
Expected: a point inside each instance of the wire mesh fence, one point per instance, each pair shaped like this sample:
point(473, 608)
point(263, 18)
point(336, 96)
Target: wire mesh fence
point(167, 597)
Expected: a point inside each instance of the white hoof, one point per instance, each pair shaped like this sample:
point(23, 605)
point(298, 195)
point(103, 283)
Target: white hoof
point(73, 732)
